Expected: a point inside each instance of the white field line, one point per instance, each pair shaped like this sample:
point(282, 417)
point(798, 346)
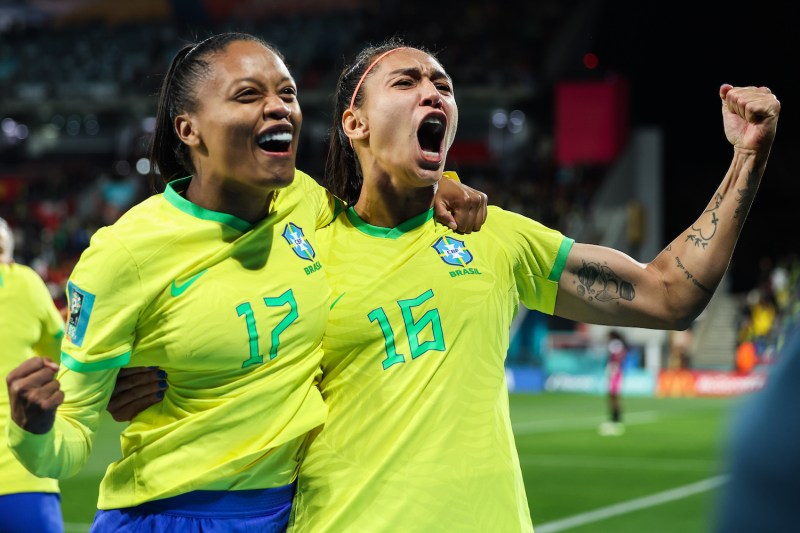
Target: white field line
point(631, 505)
point(582, 518)
point(533, 427)
point(618, 463)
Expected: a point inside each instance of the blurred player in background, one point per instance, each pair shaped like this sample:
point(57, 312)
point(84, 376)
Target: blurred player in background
point(617, 350)
point(29, 324)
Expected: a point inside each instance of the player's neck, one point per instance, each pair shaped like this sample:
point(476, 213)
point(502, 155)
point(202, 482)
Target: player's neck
point(242, 202)
point(383, 204)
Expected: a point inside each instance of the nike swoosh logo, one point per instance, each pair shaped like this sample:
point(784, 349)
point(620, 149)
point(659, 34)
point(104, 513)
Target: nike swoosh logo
point(337, 300)
point(176, 290)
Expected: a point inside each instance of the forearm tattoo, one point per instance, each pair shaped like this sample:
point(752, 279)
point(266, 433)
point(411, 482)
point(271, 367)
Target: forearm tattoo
point(599, 282)
point(691, 277)
point(745, 199)
point(706, 227)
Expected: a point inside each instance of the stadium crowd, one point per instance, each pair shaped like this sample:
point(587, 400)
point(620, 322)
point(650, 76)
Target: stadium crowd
point(769, 312)
point(70, 167)
point(73, 165)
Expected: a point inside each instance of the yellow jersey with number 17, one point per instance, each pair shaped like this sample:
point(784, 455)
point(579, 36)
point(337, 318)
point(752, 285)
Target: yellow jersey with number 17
point(233, 312)
point(418, 435)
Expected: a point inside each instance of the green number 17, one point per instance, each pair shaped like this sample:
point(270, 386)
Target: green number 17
point(246, 310)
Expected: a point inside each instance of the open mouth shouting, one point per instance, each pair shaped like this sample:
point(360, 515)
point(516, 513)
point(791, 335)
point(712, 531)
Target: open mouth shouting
point(430, 137)
point(277, 140)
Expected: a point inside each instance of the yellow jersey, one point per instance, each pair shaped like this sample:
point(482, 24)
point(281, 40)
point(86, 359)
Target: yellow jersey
point(233, 312)
point(418, 435)
point(30, 325)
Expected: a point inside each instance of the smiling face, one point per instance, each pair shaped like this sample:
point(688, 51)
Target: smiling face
point(408, 118)
point(245, 128)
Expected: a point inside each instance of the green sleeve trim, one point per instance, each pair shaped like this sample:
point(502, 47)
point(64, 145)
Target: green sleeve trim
point(561, 259)
point(59, 334)
point(115, 362)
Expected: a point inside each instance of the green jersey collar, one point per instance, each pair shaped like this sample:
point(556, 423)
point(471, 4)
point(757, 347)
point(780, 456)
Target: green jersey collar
point(388, 233)
point(173, 196)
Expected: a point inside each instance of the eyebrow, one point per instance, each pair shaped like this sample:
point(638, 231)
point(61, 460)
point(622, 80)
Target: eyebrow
point(415, 71)
point(261, 82)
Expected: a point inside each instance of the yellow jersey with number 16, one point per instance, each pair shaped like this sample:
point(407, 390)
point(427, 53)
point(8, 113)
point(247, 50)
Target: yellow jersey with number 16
point(418, 436)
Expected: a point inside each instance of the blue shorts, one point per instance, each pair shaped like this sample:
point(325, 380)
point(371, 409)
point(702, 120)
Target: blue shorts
point(31, 511)
point(204, 511)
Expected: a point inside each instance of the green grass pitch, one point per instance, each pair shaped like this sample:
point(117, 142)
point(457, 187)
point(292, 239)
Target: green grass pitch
point(569, 469)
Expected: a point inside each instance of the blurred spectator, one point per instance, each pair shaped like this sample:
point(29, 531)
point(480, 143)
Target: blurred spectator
point(762, 314)
point(746, 358)
point(118, 194)
point(680, 357)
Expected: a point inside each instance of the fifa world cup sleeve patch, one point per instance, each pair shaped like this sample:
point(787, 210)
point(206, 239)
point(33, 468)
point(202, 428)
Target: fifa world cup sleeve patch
point(80, 310)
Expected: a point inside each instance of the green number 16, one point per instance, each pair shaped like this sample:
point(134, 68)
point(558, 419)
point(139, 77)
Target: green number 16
point(413, 329)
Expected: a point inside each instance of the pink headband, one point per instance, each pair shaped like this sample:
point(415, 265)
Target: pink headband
point(370, 67)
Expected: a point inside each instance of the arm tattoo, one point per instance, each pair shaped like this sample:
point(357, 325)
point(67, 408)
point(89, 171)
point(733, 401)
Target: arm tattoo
point(746, 196)
point(599, 282)
point(691, 277)
point(706, 227)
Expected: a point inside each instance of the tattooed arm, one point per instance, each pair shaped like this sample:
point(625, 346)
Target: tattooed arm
point(603, 286)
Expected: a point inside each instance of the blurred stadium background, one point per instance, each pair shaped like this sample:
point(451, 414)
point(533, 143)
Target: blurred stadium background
point(598, 118)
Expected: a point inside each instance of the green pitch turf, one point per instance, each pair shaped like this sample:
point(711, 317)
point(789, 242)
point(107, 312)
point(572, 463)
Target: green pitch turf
point(569, 469)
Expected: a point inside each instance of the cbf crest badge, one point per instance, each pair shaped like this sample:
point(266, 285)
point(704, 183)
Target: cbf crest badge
point(294, 236)
point(453, 251)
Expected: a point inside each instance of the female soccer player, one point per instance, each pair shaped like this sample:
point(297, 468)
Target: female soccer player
point(216, 281)
point(617, 350)
point(29, 323)
point(418, 436)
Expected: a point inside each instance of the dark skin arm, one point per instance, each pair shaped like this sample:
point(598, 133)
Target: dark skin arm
point(136, 389)
point(34, 394)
